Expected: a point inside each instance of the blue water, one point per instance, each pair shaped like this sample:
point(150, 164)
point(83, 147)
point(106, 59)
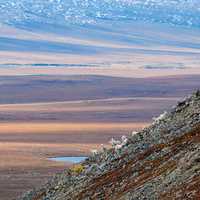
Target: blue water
point(69, 159)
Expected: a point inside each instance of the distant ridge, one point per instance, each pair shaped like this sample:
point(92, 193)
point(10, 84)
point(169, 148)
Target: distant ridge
point(160, 162)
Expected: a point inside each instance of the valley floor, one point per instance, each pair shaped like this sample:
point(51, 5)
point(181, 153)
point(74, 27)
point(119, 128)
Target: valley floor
point(38, 121)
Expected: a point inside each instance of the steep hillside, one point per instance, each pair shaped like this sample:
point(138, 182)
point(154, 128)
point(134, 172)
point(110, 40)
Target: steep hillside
point(160, 162)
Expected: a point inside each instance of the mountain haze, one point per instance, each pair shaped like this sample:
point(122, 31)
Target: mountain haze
point(101, 34)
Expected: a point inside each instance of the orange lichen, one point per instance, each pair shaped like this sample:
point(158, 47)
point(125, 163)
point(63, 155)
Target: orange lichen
point(77, 169)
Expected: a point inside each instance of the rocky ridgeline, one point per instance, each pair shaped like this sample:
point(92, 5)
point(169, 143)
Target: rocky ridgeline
point(160, 162)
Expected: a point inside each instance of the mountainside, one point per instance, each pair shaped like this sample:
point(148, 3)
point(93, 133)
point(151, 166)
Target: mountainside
point(160, 162)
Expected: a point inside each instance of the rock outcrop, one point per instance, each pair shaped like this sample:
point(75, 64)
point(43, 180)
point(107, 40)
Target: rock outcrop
point(160, 162)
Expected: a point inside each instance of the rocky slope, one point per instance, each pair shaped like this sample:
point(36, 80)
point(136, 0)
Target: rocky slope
point(160, 162)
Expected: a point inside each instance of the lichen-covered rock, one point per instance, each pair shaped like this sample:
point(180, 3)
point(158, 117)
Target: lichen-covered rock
point(160, 162)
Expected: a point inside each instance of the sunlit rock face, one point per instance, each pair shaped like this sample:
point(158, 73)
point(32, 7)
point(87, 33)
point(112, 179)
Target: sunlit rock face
point(64, 12)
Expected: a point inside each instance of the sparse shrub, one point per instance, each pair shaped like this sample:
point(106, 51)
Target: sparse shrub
point(124, 140)
point(114, 142)
point(159, 118)
point(77, 169)
point(94, 152)
point(118, 146)
point(134, 133)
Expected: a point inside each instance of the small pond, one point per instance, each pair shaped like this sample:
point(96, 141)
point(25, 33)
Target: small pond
point(68, 159)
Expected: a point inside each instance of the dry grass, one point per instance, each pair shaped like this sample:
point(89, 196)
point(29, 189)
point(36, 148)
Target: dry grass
point(39, 128)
